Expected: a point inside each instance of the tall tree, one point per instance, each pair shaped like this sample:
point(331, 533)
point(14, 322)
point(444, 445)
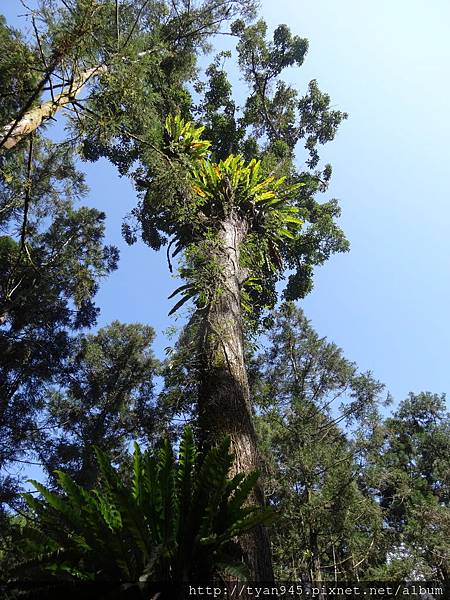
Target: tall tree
point(52, 257)
point(410, 475)
point(237, 219)
point(105, 400)
point(128, 49)
point(241, 213)
point(306, 390)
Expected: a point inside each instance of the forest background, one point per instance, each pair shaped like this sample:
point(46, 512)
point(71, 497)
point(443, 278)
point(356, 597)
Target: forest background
point(385, 301)
point(386, 66)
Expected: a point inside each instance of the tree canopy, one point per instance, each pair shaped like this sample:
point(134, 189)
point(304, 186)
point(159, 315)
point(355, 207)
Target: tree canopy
point(233, 192)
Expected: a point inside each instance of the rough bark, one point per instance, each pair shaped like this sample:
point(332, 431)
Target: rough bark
point(224, 398)
point(14, 132)
point(17, 130)
point(316, 568)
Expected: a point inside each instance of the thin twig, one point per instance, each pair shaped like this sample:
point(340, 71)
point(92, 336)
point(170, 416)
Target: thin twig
point(41, 52)
point(135, 24)
point(126, 132)
point(27, 462)
point(27, 197)
point(117, 26)
point(68, 7)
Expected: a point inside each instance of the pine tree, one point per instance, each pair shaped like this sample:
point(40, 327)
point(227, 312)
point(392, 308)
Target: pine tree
point(105, 399)
point(52, 255)
point(234, 207)
point(50, 266)
point(306, 391)
point(237, 220)
point(410, 476)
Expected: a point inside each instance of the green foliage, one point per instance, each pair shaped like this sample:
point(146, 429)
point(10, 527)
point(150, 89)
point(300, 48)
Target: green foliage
point(17, 76)
point(273, 107)
point(46, 290)
point(172, 520)
point(304, 388)
point(271, 127)
point(184, 138)
point(248, 176)
point(52, 257)
point(410, 477)
point(359, 494)
point(212, 192)
point(105, 399)
point(149, 66)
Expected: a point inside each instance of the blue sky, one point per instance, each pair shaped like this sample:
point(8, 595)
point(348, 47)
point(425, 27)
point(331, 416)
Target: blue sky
point(386, 63)
point(386, 302)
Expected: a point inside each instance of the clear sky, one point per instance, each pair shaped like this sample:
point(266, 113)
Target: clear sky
point(386, 303)
point(386, 63)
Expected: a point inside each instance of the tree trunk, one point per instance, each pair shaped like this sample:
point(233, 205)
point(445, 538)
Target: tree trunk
point(16, 131)
point(224, 399)
point(316, 568)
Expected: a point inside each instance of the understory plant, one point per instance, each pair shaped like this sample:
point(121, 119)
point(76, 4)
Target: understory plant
point(173, 520)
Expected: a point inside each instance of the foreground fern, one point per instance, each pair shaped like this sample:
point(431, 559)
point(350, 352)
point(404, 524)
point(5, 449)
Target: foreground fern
point(175, 521)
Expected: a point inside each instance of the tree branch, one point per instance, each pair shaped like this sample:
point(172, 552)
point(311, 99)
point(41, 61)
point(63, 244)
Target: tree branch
point(27, 199)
